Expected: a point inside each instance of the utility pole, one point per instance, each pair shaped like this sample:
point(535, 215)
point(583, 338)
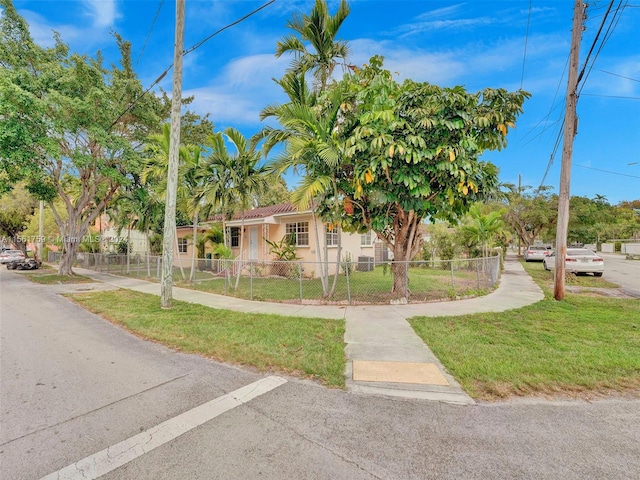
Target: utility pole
point(41, 232)
point(519, 194)
point(166, 289)
point(570, 127)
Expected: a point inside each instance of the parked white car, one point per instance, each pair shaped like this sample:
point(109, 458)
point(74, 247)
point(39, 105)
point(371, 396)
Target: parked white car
point(578, 260)
point(11, 255)
point(537, 252)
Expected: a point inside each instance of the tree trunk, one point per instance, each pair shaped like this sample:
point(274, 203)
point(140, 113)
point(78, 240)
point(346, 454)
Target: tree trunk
point(322, 267)
point(128, 249)
point(337, 272)
point(241, 251)
point(148, 254)
point(406, 243)
point(400, 279)
point(192, 276)
point(70, 247)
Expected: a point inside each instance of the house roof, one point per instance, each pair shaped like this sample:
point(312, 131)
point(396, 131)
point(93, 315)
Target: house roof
point(264, 212)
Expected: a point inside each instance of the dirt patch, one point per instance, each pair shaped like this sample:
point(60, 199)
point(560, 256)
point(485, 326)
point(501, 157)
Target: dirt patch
point(598, 292)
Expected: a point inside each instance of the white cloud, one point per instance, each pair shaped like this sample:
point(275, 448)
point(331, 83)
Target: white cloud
point(241, 91)
point(102, 12)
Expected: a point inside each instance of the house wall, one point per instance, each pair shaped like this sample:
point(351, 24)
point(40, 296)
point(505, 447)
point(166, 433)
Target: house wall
point(110, 238)
point(351, 243)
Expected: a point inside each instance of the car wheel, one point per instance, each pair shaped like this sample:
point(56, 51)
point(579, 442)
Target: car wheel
point(597, 274)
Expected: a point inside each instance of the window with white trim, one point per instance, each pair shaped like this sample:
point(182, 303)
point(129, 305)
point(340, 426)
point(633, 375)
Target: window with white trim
point(365, 239)
point(235, 237)
point(331, 236)
point(299, 233)
point(182, 245)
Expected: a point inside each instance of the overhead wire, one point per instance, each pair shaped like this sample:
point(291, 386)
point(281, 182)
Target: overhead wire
point(608, 171)
point(526, 41)
point(153, 23)
point(186, 52)
point(581, 76)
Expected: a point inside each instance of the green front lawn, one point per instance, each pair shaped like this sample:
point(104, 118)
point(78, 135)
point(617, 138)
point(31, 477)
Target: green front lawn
point(587, 344)
point(426, 284)
point(308, 347)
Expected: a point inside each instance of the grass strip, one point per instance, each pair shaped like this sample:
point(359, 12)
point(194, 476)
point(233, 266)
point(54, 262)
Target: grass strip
point(306, 347)
point(55, 279)
point(584, 345)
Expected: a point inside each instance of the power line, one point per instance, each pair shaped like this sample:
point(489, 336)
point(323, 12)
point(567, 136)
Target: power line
point(201, 42)
point(609, 96)
point(608, 171)
point(618, 75)
point(526, 41)
point(185, 52)
point(144, 46)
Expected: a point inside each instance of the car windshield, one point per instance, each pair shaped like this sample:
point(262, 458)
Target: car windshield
point(576, 252)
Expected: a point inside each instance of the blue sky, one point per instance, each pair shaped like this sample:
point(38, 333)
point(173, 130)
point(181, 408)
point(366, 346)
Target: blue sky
point(477, 44)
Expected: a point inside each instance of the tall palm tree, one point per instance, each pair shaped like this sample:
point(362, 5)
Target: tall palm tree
point(216, 171)
point(137, 208)
point(313, 148)
point(234, 175)
point(318, 29)
point(154, 173)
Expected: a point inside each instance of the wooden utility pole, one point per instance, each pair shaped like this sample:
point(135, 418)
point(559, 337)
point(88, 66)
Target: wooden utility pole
point(570, 127)
point(166, 289)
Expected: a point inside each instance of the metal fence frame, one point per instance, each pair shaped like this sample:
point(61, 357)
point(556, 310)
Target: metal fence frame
point(357, 283)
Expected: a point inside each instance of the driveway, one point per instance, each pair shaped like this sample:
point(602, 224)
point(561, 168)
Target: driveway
point(75, 387)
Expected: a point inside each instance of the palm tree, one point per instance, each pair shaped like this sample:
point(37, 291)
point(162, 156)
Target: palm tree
point(484, 227)
point(229, 176)
point(155, 173)
point(319, 29)
point(138, 208)
point(312, 146)
point(216, 193)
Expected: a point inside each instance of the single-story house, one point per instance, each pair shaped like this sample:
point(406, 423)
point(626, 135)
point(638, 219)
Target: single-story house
point(276, 222)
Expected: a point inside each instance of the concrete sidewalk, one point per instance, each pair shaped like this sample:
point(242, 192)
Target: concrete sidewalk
point(384, 354)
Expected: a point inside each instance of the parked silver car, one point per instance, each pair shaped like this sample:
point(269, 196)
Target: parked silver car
point(537, 252)
point(578, 260)
point(11, 255)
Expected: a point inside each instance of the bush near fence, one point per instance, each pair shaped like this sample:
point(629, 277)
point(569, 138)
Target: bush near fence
point(297, 282)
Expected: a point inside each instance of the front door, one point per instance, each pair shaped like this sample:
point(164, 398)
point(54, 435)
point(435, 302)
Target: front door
point(253, 243)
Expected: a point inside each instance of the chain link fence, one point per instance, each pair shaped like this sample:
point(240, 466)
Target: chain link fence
point(357, 282)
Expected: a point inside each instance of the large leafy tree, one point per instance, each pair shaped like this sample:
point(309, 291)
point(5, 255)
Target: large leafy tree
point(531, 213)
point(71, 127)
point(412, 152)
point(16, 210)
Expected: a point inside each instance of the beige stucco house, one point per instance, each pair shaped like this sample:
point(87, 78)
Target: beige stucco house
point(277, 221)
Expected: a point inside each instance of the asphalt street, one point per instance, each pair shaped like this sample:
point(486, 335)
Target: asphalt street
point(73, 385)
point(626, 273)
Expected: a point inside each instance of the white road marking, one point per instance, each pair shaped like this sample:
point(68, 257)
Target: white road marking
point(121, 453)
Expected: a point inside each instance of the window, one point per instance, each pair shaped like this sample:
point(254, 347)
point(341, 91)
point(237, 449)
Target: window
point(182, 245)
point(235, 237)
point(365, 239)
point(332, 236)
point(299, 233)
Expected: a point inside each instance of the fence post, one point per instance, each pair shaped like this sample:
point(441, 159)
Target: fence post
point(478, 272)
point(250, 280)
point(346, 271)
point(406, 279)
point(300, 280)
point(451, 267)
